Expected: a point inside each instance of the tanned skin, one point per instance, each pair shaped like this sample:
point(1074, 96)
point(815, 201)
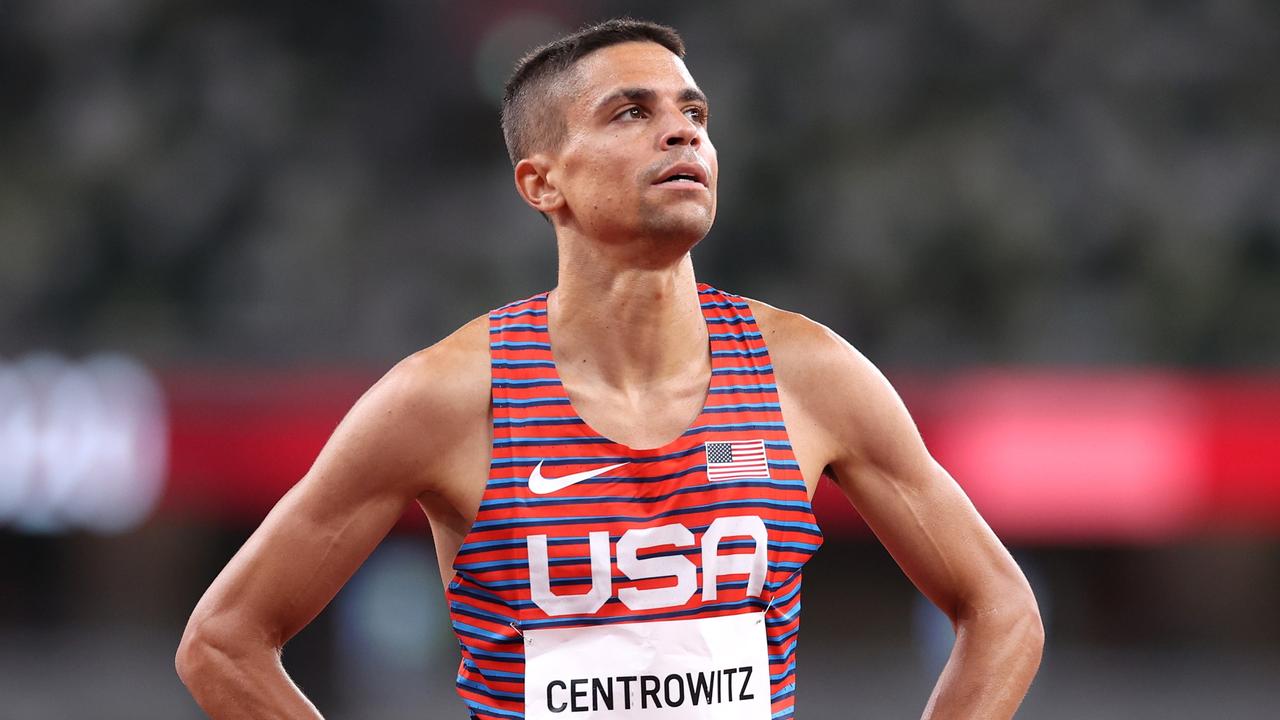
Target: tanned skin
point(630, 345)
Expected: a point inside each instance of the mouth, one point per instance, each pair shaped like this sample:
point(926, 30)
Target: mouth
point(683, 174)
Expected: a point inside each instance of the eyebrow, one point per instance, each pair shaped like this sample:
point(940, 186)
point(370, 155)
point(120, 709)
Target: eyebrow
point(639, 94)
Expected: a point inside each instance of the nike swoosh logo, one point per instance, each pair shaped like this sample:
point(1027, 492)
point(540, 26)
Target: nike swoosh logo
point(540, 485)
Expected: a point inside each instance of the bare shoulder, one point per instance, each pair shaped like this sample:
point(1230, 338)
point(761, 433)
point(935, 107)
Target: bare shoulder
point(417, 423)
point(448, 377)
point(786, 329)
point(836, 395)
point(807, 354)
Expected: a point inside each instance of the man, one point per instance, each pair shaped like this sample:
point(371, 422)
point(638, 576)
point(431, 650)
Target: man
point(617, 473)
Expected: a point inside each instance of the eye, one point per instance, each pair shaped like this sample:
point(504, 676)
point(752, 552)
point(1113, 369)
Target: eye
point(635, 112)
point(697, 114)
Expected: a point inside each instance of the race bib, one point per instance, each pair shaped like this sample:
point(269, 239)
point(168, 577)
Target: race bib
point(700, 669)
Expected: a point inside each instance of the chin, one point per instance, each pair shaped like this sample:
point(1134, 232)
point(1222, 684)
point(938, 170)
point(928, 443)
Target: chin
point(687, 225)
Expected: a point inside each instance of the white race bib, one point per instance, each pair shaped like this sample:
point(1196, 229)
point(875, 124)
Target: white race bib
point(700, 669)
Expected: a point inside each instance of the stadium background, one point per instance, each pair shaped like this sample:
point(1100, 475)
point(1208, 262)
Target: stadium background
point(1055, 225)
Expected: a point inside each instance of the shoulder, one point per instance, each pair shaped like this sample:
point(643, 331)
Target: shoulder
point(427, 409)
point(448, 371)
point(442, 382)
point(829, 384)
point(805, 351)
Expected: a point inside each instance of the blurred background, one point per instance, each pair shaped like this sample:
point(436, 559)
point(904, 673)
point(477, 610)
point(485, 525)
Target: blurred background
point(1055, 225)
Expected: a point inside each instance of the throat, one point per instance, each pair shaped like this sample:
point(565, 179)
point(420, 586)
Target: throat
point(629, 331)
point(639, 379)
point(632, 348)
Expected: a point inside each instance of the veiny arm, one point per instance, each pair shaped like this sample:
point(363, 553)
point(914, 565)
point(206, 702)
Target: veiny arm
point(412, 435)
point(851, 422)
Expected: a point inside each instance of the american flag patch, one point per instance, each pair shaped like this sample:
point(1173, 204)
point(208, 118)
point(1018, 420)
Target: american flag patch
point(736, 460)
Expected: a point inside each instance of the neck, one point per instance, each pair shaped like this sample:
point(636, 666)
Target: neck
point(628, 322)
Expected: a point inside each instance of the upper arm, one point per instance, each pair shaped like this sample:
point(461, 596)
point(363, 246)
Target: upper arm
point(405, 438)
point(854, 427)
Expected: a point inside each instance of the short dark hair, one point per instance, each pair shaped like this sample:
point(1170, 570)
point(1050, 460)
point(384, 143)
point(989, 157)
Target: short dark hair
point(527, 121)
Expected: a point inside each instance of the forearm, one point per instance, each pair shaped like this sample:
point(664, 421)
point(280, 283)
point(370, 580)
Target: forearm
point(241, 681)
point(996, 654)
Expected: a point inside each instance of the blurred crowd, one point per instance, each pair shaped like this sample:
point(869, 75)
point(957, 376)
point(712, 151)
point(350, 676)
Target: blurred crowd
point(946, 183)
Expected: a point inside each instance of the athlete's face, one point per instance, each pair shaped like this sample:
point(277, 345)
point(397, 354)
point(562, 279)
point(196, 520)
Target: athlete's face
point(636, 159)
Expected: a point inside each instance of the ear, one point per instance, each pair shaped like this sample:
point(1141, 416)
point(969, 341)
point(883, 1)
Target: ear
point(535, 185)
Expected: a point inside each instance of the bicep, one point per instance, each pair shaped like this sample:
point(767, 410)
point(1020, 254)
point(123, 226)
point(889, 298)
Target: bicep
point(930, 527)
point(918, 512)
point(310, 543)
point(320, 532)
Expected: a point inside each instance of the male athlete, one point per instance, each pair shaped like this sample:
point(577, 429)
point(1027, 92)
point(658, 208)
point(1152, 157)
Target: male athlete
point(617, 473)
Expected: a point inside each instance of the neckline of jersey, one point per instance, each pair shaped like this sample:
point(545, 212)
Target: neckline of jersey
point(706, 399)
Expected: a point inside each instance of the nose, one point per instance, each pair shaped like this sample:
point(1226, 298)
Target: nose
point(682, 131)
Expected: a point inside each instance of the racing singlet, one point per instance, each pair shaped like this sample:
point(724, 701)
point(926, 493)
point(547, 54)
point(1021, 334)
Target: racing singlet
point(605, 582)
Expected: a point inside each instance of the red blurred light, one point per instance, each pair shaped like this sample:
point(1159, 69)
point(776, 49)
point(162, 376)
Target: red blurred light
point(1062, 457)
point(1133, 456)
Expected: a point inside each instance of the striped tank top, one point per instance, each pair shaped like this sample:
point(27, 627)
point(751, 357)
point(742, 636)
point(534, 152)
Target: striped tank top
point(601, 581)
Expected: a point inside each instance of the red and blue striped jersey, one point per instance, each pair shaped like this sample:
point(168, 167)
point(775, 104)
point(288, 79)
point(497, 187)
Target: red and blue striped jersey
point(577, 531)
